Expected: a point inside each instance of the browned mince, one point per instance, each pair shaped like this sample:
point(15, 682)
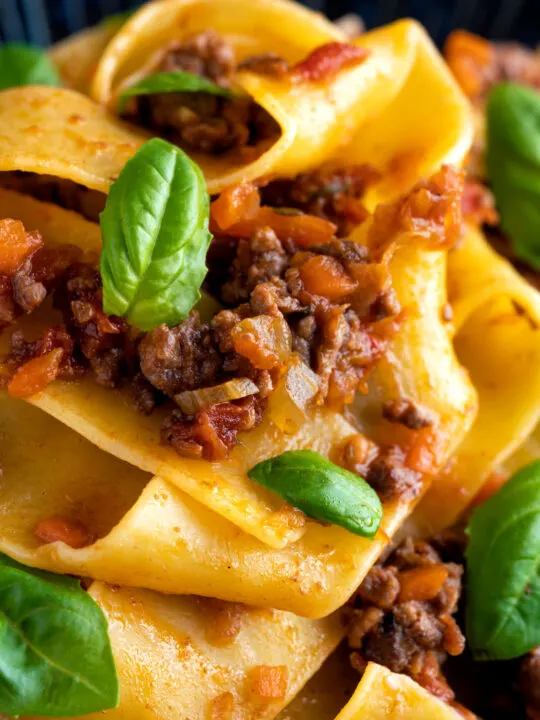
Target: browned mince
point(529, 683)
point(329, 192)
point(64, 193)
point(201, 121)
point(411, 634)
point(337, 340)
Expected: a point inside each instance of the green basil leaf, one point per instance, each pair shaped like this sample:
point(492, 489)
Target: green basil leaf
point(22, 64)
point(169, 82)
point(322, 490)
point(55, 653)
point(513, 164)
point(155, 237)
point(503, 570)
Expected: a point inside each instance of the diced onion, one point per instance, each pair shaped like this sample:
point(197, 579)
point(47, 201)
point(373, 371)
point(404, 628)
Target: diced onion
point(190, 401)
point(295, 389)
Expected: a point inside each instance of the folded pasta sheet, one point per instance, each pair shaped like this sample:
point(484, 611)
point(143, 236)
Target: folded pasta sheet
point(188, 657)
point(496, 318)
point(384, 695)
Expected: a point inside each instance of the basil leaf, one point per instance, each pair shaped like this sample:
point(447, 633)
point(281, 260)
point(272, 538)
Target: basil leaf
point(503, 570)
point(169, 82)
point(322, 490)
point(155, 237)
point(513, 164)
point(22, 64)
point(55, 653)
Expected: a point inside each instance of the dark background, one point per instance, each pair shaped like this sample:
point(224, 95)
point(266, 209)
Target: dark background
point(44, 21)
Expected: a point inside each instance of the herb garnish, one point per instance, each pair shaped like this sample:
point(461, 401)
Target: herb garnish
point(155, 237)
point(503, 570)
point(169, 82)
point(324, 491)
point(55, 654)
point(22, 64)
point(513, 164)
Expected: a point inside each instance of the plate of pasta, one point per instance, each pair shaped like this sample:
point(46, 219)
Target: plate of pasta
point(270, 369)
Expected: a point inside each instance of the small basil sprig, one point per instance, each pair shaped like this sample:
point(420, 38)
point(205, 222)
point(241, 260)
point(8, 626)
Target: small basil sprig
point(169, 82)
point(22, 64)
point(55, 654)
point(155, 237)
point(322, 490)
point(513, 165)
point(503, 570)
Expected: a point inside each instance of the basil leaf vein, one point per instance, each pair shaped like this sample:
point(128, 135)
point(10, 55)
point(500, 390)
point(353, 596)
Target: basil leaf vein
point(503, 570)
point(155, 237)
point(55, 654)
point(513, 164)
point(321, 489)
point(22, 64)
point(169, 82)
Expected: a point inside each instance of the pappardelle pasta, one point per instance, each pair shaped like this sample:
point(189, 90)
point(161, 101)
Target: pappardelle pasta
point(260, 370)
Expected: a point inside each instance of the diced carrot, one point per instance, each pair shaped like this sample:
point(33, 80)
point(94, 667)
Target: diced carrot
point(36, 374)
point(326, 276)
point(59, 529)
point(235, 204)
point(468, 55)
point(270, 682)
point(421, 583)
point(15, 245)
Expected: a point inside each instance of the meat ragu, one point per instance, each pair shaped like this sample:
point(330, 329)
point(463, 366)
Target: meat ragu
point(314, 304)
point(200, 121)
point(402, 616)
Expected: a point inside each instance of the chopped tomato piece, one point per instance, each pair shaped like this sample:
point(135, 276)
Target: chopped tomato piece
point(326, 276)
point(59, 529)
point(36, 374)
point(421, 583)
point(328, 60)
point(16, 245)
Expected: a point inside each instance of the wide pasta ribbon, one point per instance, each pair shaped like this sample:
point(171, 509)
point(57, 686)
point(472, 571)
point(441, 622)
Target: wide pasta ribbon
point(315, 117)
point(497, 325)
point(384, 695)
point(188, 657)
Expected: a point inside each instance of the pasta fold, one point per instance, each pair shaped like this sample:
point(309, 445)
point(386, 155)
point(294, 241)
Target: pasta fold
point(384, 695)
point(190, 657)
point(497, 325)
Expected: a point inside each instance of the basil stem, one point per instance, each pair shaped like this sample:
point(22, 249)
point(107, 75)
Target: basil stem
point(513, 164)
point(155, 237)
point(22, 64)
point(55, 654)
point(169, 82)
point(503, 570)
point(322, 490)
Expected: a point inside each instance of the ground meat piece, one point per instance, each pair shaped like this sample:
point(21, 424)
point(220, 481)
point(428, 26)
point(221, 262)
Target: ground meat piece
point(144, 394)
point(529, 683)
point(27, 293)
point(258, 260)
point(180, 358)
point(273, 298)
point(380, 587)
point(206, 54)
point(390, 645)
point(407, 636)
point(391, 478)
point(22, 351)
point(331, 193)
point(408, 413)
point(8, 309)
